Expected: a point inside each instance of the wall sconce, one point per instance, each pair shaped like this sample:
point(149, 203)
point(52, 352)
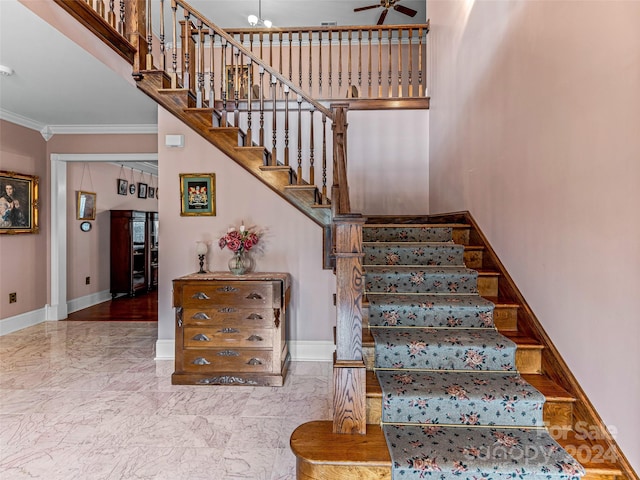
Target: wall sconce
point(201, 251)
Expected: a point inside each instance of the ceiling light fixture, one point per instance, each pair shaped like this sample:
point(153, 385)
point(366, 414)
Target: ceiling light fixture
point(257, 20)
point(6, 71)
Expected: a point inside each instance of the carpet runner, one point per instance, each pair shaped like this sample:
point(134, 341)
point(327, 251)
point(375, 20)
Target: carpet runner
point(454, 405)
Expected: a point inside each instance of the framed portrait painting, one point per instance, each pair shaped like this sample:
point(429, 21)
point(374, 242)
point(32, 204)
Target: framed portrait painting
point(86, 204)
point(18, 203)
point(197, 193)
point(123, 186)
point(142, 190)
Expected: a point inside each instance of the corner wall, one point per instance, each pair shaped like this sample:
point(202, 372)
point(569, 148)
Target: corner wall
point(535, 114)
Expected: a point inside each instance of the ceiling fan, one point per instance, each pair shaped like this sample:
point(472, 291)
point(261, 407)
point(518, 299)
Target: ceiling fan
point(387, 4)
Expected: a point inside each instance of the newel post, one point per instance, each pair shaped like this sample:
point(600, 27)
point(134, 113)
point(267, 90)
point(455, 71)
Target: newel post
point(136, 31)
point(340, 188)
point(349, 392)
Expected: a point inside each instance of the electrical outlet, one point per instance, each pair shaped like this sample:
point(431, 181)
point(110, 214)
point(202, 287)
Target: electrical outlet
point(87, 280)
point(13, 297)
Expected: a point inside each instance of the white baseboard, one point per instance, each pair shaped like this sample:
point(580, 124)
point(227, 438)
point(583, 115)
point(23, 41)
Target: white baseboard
point(88, 301)
point(24, 320)
point(301, 351)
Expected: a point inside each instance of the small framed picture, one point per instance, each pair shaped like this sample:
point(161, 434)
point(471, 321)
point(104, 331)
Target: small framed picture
point(18, 203)
point(122, 186)
point(86, 205)
point(142, 190)
point(197, 191)
point(151, 192)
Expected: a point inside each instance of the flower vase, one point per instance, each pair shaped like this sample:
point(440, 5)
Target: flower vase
point(240, 263)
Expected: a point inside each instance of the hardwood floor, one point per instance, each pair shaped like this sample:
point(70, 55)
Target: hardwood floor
point(125, 309)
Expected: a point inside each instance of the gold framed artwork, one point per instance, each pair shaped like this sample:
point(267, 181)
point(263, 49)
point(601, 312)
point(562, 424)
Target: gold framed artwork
point(242, 84)
point(18, 203)
point(197, 194)
point(86, 205)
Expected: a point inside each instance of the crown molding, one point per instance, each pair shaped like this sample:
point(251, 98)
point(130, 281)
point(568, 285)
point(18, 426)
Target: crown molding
point(20, 120)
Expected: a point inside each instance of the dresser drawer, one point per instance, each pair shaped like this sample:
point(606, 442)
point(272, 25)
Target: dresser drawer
point(240, 294)
point(228, 360)
point(225, 316)
point(228, 337)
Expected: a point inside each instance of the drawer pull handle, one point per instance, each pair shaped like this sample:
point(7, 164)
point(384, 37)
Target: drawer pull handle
point(227, 310)
point(227, 289)
point(254, 316)
point(229, 330)
point(228, 353)
point(200, 296)
point(255, 338)
point(201, 316)
point(179, 312)
point(201, 337)
point(254, 296)
point(254, 361)
point(201, 361)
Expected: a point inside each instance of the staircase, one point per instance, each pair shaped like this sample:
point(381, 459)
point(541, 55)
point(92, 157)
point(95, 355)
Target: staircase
point(439, 413)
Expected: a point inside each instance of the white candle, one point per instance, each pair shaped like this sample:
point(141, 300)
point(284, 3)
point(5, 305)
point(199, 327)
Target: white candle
point(242, 227)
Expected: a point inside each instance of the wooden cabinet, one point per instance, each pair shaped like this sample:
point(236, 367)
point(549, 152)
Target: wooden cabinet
point(134, 251)
point(231, 330)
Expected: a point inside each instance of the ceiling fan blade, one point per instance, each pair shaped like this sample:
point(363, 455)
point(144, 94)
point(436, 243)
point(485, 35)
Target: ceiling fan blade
point(383, 16)
point(406, 10)
point(366, 8)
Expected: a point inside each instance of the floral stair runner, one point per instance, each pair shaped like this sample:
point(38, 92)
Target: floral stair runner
point(454, 405)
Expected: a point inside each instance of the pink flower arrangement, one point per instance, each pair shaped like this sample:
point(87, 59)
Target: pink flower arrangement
point(239, 240)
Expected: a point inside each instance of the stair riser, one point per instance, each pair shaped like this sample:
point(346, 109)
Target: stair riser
point(460, 235)
point(527, 361)
point(473, 258)
point(505, 318)
point(488, 286)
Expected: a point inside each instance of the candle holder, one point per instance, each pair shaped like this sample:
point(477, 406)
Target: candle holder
point(201, 251)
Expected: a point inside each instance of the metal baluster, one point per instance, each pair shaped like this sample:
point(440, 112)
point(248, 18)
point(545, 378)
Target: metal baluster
point(236, 88)
point(410, 66)
point(320, 63)
point(399, 62)
point(312, 175)
point(274, 127)
point(223, 83)
point(310, 62)
point(299, 172)
point(212, 87)
point(122, 24)
point(286, 125)
point(280, 67)
point(300, 59)
point(420, 88)
point(380, 63)
point(324, 159)
point(111, 15)
point(163, 59)
point(186, 78)
point(290, 57)
point(249, 100)
point(111, 20)
point(339, 60)
point(389, 35)
point(360, 59)
point(330, 66)
point(174, 55)
point(200, 66)
point(261, 71)
point(349, 69)
point(369, 33)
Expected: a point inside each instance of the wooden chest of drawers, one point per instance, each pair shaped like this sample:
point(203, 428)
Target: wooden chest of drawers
point(231, 330)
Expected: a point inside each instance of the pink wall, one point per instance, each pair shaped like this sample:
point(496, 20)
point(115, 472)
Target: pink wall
point(292, 242)
point(24, 257)
point(534, 129)
point(88, 252)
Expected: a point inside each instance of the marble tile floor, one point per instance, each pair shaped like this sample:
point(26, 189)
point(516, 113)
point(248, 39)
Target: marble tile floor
point(87, 400)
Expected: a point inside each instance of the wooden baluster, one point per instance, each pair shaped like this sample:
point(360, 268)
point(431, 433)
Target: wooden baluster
point(312, 175)
point(212, 87)
point(410, 66)
point(399, 62)
point(261, 40)
point(271, 49)
point(324, 159)
point(163, 59)
point(111, 17)
point(249, 101)
point(236, 88)
point(274, 126)
point(174, 55)
point(280, 66)
point(420, 88)
point(286, 125)
point(310, 62)
point(186, 44)
point(300, 59)
point(223, 83)
point(389, 37)
point(290, 57)
point(122, 25)
point(380, 63)
point(359, 59)
point(330, 66)
point(320, 63)
point(111, 20)
point(98, 6)
point(299, 172)
point(200, 66)
point(339, 60)
point(370, 92)
point(349, 64)
point(261, 136)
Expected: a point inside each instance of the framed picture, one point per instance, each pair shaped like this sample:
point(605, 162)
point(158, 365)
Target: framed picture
point(197, 193)
point(237, 78)
point(151, 192)
point(123, 186)
point(142, 190)
point(18, 203)
point(86, 205)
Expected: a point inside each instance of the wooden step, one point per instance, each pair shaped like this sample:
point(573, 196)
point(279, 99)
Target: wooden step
point(528, 353)
point(324, 455)
point(557, 410)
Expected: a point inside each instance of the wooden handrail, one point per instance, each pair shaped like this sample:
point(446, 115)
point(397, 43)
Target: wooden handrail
point(333, 28)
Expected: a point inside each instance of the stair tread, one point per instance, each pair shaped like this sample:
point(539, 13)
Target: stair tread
point(315, 443)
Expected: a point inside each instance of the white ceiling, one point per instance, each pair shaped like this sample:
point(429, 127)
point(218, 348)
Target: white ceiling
point(58, 84)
